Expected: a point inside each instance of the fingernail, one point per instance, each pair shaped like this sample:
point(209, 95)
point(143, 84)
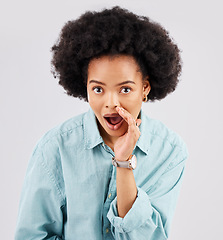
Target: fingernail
point(121, 109)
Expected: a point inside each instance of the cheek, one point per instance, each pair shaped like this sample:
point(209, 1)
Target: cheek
point(93, 102)
point(134, 101)
point(134, 105)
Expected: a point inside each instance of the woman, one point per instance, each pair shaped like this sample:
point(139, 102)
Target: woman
point(112, 172)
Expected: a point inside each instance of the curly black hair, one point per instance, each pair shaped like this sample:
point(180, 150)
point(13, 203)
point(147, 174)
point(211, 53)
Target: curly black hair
point(111, 32)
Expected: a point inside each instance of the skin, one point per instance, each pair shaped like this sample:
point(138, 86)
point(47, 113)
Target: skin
point(104, 99)
point(110, 98)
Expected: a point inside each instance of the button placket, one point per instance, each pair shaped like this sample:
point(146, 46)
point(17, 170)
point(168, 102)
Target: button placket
point(111, 191)
point(108, 149)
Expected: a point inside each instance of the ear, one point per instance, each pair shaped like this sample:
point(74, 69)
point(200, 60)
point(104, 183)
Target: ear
point(146, 86)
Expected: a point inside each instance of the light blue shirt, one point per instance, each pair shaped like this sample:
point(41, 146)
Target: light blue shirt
point(69, 190)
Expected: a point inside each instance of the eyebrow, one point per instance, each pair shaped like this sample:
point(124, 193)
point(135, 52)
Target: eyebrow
point(119, 84)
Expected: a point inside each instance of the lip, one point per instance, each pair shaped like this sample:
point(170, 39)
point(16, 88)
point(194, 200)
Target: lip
point(112, 115)
point(113, 127)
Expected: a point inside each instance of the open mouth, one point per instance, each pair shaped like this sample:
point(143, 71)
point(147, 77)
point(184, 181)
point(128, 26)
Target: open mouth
point(114, 120)
point(114, 123)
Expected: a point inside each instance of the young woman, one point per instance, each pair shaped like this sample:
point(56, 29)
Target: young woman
point(111, 172)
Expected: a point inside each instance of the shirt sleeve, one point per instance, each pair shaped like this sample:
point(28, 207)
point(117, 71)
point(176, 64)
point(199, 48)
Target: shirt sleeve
point(41, 206)
point(152, 212)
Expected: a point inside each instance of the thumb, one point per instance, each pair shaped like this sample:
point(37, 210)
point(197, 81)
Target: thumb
point(138, 122)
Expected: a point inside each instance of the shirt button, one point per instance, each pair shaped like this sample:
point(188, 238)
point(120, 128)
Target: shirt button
point(107, 230)
point(109, 195)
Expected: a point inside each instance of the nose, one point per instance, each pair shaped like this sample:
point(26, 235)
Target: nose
point(112, 101)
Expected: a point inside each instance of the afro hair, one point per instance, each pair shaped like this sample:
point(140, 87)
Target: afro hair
point(112, 32)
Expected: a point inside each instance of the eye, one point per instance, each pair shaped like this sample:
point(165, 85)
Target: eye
point(98, 92)
point(127, 88)
point(96, 88)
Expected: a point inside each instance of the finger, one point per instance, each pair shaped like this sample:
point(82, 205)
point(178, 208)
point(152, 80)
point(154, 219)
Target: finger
point(123, 113)
point(138, 122)
point(127, 117)
point(132, 122)
point(134, 125)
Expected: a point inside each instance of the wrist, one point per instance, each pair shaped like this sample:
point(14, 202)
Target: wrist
point(123, 159)
point(131, 162)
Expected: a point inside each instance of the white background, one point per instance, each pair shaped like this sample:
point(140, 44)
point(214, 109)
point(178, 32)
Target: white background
point(32, 102)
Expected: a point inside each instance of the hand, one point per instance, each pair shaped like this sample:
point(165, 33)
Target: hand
point(125, 144)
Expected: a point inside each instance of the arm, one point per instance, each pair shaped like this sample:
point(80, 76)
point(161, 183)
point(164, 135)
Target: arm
point(126, 190)
point(151, 214)
point(41, 207)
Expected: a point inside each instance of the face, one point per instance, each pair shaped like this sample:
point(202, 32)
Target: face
point(106, 90)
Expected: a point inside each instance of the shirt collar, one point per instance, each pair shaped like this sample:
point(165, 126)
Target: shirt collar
point(92, 135)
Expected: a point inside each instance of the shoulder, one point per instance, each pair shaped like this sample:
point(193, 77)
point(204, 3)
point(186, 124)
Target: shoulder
point(54, 136)
point(49, 150)
point(48, 153)
point(159, 131)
